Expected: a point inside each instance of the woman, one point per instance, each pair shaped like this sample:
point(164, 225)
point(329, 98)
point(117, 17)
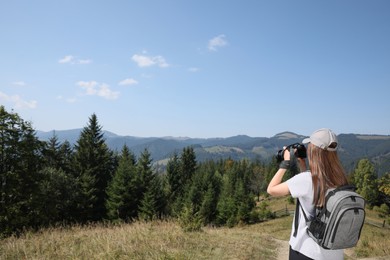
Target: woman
point(310, 188)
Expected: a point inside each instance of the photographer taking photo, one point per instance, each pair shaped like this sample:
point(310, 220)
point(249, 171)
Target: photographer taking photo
point(310, 187)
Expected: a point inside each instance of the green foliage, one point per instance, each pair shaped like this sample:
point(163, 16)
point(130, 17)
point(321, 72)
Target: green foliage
point(44, 183)
point(264, 211)
point(180, 171)
point(122, 201)
point(57, 196)
point(236, 201)
point(190, 220)
point(148, 207)
point(208, 205)
point(150, 189)
point(384, 188)
point(365, 181)
point(20, 164)
point(384, 210)
point(93, 166)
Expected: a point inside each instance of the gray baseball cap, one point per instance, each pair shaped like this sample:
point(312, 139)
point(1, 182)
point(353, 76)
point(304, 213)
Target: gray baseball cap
point(323, 138)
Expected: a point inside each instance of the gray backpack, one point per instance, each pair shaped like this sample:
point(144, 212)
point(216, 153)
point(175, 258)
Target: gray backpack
point(337, 225)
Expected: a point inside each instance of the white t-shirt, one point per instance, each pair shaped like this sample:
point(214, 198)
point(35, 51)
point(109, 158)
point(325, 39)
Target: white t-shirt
point(301, 186)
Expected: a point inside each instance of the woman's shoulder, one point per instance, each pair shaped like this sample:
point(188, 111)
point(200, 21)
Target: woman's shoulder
point(306, 175)
point(300, 184)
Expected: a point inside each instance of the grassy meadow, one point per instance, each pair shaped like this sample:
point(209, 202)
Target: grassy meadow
point(167, 240)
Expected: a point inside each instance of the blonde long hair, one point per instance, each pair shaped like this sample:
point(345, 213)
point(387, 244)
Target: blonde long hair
point(326, 171)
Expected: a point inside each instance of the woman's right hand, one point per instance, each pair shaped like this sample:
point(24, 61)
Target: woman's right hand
point(286, 154)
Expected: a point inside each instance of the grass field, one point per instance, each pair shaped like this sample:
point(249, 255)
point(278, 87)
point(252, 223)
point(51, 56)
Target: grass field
point(153, 240)
point(166, 240)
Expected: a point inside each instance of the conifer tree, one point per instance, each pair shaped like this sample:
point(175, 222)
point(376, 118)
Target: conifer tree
point(188, 164)
point(122, 201)
point(208, 207)
point(145, 170)
point(93, 168)
point(51, 153)
point(150, 189)
point(243, 202)
point(58, 186)
point(20, 163)
point(175, 185)
point(173, 177)
point(226, 209)
point(148, 205)
point(65, 155)
point(57, 155)
point(57, 196)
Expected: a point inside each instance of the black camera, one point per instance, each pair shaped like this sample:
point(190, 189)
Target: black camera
point(300, 151)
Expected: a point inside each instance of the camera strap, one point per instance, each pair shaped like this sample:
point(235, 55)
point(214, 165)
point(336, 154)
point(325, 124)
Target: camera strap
point(292, 153)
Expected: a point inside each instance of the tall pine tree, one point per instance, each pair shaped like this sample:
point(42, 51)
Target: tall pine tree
point(175, 185)
point(93, 167)
point(153, 200)
point(122, 201)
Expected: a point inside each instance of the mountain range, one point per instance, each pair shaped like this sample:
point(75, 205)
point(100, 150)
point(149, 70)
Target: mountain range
point(353, 147)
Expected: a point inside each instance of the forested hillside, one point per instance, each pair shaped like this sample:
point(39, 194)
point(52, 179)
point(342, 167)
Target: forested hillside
point(43, 183)
point(354, 147)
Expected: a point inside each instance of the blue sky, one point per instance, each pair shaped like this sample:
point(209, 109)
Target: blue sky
point(198, 68)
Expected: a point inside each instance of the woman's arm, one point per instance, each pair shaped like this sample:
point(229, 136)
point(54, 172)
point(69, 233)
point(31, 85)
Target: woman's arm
point(276, 187)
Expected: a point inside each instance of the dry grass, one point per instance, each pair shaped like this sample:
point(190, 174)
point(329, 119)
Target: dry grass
point(166, 240)
point(153, 240)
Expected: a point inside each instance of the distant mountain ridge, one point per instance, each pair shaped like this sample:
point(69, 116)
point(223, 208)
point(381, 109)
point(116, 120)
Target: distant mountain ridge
point(353, 147)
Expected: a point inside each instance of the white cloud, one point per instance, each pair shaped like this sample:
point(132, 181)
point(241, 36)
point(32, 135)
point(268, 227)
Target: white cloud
point(17, 101)
point(19, 83)
point(66, 59)
point(93, 88)
point(217, 42)
point(143, 61)
point(161, 62)
point(147, 61)
point(73, 60)
point(128, 81)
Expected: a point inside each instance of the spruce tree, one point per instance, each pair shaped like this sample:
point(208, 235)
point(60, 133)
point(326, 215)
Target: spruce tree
point(226, 209)
point(57, 155)
point(188, 164)
point(93, 163)
point(58, 186)
point(175, 185)
point(150, 189)
point(148, 206)
point(208, 207)
point(122, 200)
point(145, 170)
point(51, 154)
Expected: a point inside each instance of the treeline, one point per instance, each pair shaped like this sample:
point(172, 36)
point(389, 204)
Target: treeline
point(49, 183)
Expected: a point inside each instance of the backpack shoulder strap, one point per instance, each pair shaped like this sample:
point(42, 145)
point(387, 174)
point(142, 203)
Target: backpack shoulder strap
point(296, 218)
